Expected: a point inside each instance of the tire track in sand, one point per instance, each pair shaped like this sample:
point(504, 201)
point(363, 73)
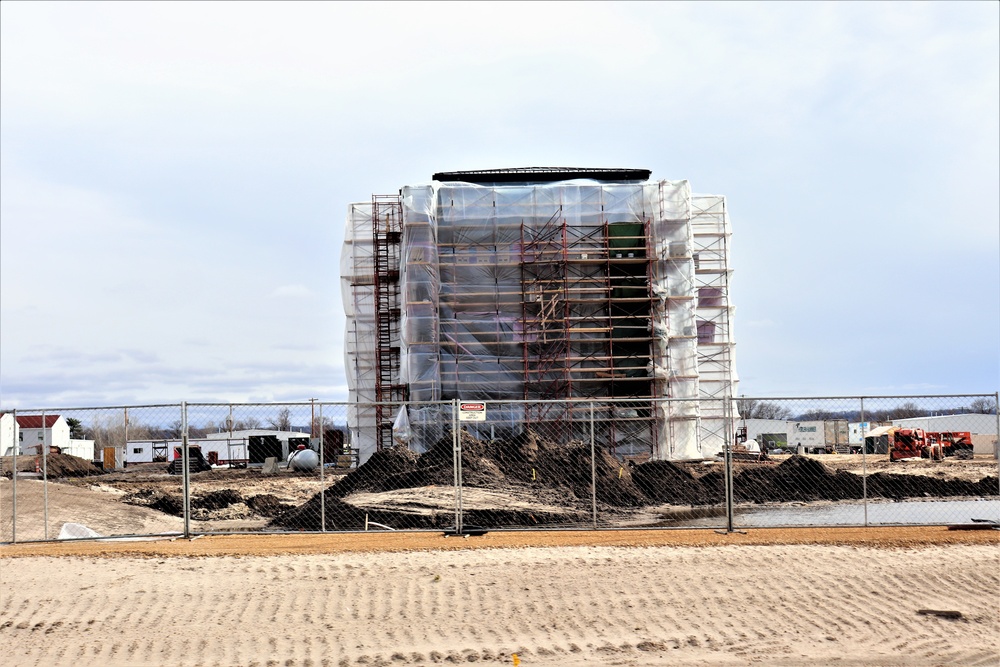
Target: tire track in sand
point(571, 606)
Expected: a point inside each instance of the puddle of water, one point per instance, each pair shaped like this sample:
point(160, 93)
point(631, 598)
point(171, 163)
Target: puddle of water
point(910, 512)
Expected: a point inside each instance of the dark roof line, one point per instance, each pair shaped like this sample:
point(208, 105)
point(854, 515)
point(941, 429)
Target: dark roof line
point(541, 175)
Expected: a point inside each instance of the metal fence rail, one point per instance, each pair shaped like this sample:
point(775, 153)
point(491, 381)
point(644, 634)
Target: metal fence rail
point(212, 468)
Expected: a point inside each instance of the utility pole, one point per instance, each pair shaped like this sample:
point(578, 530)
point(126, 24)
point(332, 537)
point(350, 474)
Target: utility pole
point(312, 417)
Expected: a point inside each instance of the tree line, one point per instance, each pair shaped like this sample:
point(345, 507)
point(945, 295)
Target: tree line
point(749, 408)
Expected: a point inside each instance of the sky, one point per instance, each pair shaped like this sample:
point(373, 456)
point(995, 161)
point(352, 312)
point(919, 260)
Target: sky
point(174, 177)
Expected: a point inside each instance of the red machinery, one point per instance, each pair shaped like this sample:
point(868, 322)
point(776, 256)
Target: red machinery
point(905, 443)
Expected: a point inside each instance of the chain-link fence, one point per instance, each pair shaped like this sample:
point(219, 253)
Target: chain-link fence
point(198, 468)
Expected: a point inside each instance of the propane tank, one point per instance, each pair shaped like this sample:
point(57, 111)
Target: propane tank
point(303, 459)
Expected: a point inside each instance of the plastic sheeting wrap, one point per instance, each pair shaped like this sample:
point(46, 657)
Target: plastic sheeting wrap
point(357, 266)
point(563, 290)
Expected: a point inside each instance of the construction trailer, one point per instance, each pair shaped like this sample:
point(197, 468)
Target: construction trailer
point(532, 285)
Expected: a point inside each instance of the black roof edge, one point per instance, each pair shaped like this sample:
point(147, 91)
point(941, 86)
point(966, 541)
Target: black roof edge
point(541, 175)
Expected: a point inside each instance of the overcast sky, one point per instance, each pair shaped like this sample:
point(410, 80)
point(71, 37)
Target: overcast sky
point(175, 176)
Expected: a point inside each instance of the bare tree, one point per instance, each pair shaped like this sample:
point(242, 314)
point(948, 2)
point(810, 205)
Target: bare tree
point(319, 426)
point(983, 406)
point(108, 430)
point(283, 422)
point(753, 409)
point(906, 411)
point(246, 424)
point(819, 416)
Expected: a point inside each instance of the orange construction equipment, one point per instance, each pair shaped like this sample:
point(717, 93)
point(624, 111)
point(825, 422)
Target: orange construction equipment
point(906, 443)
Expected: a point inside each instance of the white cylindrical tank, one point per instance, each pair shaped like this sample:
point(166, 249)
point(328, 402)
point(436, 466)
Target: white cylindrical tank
point(303, 460)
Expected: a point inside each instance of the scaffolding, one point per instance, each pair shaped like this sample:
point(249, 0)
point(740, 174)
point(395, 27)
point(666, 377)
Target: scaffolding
point(718, 382)
point(528, 291)
point(387, 232)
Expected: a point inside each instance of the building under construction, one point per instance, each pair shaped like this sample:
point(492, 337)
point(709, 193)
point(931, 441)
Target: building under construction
point(516, 287)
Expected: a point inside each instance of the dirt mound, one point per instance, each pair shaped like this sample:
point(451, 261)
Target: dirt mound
point(344, 516)
point(802, 480)
point(381, 472)
point(267, 505)
point(168, 503)
point(896, 486)
point(221, 504)
point(561, 474)
point(65, 465)
point(216, 500)
point(667, 482)
point(526, 460)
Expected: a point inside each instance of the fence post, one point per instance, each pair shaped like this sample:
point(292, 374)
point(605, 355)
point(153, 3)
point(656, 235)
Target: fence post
point(185, 471)
point(996, 442)
point(13, 479)
point(727, 413)
point(45, 480)
point(456, 449)
point(125, 449)
point(593, 468)
point(322, 472)
point(864, 462)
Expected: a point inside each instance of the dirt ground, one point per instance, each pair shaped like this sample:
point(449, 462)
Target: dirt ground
point(919, 597)
point(273, 545)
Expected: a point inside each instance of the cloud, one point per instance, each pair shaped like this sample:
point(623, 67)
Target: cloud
point(173, 178)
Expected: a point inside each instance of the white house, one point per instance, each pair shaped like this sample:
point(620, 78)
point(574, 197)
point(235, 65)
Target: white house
point(8, 433)
point(32, 435)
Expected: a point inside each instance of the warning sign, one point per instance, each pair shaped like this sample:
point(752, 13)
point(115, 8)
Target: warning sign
point(471, 412)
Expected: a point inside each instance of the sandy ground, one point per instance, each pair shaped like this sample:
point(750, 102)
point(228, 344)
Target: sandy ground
point(692, 597)
point(845, 596)
point(97, 506)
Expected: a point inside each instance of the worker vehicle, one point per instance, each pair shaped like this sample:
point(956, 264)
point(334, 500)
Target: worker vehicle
point(908, 443)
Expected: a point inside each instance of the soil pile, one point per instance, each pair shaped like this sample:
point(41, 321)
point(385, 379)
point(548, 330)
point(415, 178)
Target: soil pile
point(804, 479)
point(555, 473)
point(525, 461)
point(216, 500)
point(65, 465)
point(665, 482)
point(383, 471)
point(168, 503)
point(267, 505)
point(797, 479)
point(891, 485)
point(214, 505)
point(55, 465)
point(560, 474)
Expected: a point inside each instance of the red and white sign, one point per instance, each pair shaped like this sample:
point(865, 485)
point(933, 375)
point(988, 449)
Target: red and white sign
point(471, 412)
